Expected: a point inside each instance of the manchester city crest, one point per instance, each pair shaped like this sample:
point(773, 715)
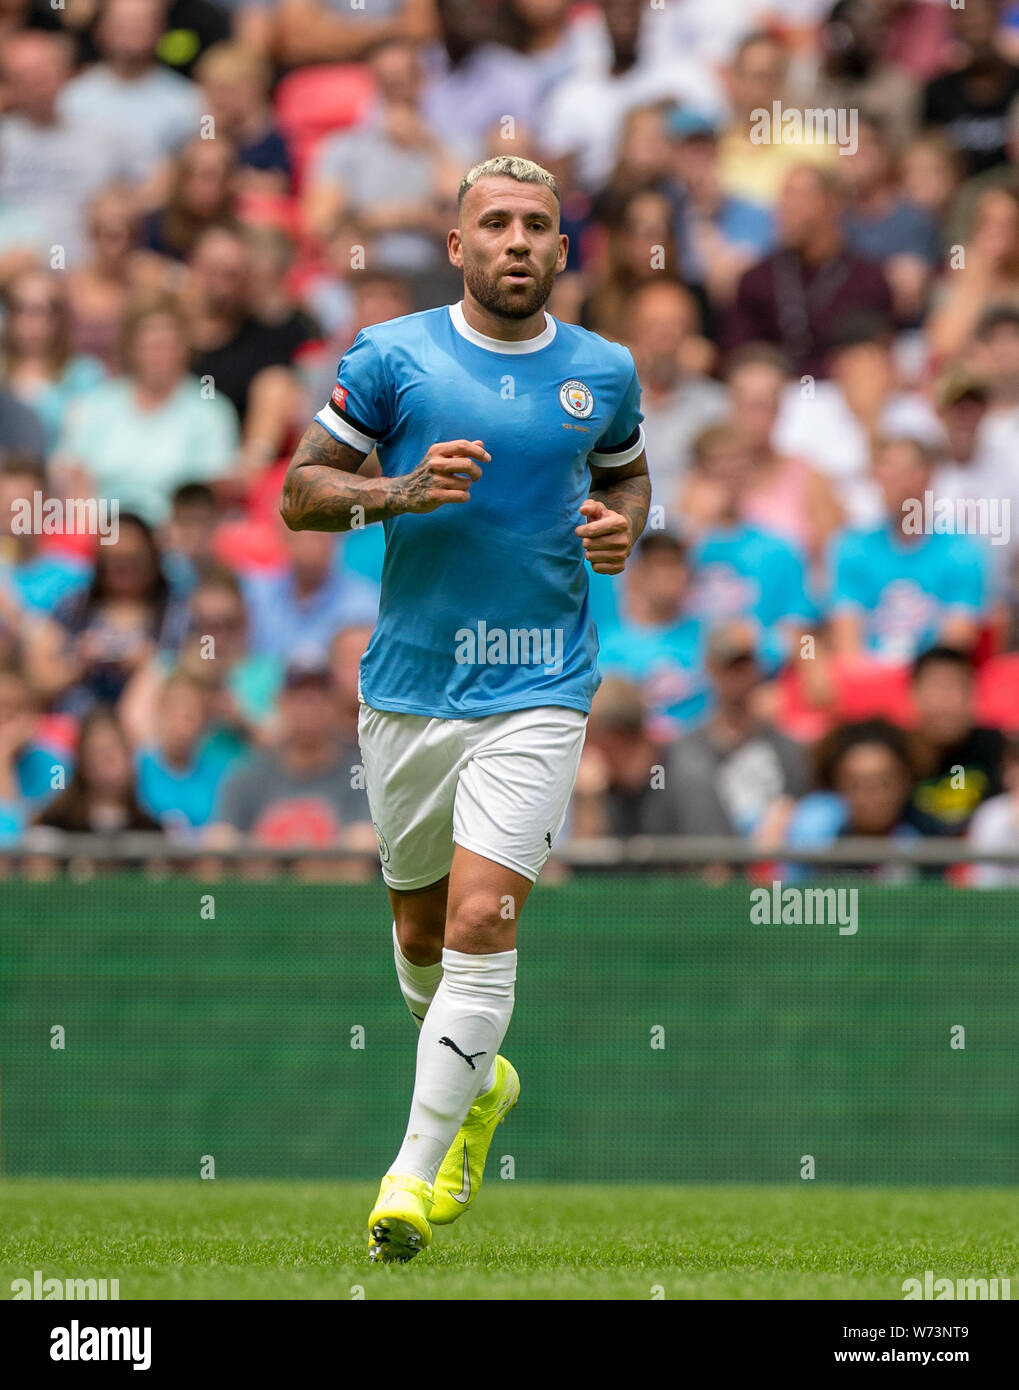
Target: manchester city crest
point(576, 399)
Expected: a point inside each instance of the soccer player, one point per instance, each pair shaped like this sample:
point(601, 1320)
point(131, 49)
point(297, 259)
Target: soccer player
point(511, 450)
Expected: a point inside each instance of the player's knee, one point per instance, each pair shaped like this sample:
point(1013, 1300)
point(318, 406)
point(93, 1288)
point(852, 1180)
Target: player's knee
point(478, 925)
point(421, 936)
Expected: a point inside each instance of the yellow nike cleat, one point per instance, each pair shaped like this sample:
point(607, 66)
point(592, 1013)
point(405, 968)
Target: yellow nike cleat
point(398, 1226)
point(463, 1168)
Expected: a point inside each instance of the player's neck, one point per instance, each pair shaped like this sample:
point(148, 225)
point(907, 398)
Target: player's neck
point(496, 326)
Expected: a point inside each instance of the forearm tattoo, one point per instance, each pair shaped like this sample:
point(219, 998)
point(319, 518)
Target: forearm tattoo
point(629, 496)
point(322, 492)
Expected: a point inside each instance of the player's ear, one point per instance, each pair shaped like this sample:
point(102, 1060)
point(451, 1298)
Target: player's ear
point(454, 245)
point(564, 246)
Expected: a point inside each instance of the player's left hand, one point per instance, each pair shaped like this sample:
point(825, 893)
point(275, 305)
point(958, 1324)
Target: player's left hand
point(606, 537)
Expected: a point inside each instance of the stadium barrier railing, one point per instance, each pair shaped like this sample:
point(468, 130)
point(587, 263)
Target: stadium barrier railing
point(655, 851)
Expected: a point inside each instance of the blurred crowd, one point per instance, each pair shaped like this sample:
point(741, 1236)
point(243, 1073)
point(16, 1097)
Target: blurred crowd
point(203, 201)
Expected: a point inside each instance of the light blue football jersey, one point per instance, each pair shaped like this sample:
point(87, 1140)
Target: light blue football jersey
point(484, 605)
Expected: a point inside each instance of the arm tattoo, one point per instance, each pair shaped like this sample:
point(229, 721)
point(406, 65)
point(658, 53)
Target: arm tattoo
point(626, 490)
point(321, 490)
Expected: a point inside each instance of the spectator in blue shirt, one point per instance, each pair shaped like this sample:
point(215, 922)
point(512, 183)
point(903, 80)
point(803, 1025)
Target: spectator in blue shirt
point(721, 236)
point(179, 775)
point(30, 772)
point(655, 642)
point(903, 586)
point(37, 361)
point(31, 581)
point(886, 227)
point(309, 601)
point(740, 571)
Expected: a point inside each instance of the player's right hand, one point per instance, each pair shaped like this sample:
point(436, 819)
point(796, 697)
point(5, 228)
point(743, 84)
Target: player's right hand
point(444, 475)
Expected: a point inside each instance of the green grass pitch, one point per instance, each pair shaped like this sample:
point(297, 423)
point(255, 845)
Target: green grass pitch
point(225, 1239)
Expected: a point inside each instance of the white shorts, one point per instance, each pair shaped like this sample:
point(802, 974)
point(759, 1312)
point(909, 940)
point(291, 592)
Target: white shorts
point(498, 786)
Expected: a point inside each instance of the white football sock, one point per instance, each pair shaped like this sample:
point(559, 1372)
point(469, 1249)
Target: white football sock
point(418, 983)
point(462, 1032)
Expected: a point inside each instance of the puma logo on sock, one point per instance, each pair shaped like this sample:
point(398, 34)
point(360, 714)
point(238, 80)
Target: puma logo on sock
point(448, 1042)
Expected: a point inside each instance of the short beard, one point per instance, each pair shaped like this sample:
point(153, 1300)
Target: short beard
point(488, 292)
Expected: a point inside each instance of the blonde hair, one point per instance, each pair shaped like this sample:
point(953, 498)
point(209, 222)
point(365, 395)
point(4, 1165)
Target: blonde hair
point(232, 60)
point(507, 166)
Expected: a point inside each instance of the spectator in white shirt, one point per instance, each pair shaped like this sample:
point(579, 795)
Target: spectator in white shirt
point(831, 423)
point(385, 172)
point(130, 89)
point(976, 465)
point(50, 164)
point(662, 328)
point(637, 65)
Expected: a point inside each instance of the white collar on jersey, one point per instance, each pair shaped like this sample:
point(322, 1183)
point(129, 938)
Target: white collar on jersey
point(481, 340)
